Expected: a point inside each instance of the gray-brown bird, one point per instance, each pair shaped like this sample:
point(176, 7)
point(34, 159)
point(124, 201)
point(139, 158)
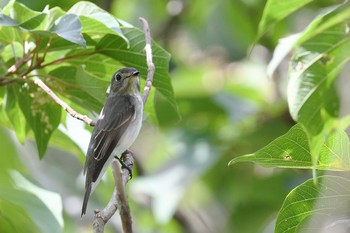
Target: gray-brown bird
point(116, 128)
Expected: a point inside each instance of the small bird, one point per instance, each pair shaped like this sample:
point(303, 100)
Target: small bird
point(116, 128)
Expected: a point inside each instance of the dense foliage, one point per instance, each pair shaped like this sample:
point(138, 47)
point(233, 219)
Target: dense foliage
point(224, 108)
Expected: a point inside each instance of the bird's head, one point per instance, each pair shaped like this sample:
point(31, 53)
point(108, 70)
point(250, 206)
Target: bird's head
point(125, 81)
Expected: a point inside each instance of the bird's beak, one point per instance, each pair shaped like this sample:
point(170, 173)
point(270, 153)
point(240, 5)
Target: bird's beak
point(135, 73)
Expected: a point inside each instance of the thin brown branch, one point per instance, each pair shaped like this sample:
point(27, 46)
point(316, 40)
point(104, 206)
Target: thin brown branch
point(118, 199)
point(60, 60)
point(4, 82)
point(149, 60)
point(60, 102)
point(14, 68)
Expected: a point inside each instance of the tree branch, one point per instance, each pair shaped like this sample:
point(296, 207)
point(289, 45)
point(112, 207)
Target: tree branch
point(118, 198)
point(60, 102)
point(121, 178)
point(149, 60)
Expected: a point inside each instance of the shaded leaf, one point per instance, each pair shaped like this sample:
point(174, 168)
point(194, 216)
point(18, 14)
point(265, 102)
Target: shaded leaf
point(76, 84)
point(313, 208)
point(41, 112)
point(292, 151)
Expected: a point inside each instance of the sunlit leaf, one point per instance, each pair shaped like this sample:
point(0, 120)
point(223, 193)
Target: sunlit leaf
point(317, 62)
point(316, 207)
point(7, 21)
point(336, 15)
point(95, 20)
point(292, 150)
point(14, 114)
point(69, 27)
point(276, 10)
point(9, 207)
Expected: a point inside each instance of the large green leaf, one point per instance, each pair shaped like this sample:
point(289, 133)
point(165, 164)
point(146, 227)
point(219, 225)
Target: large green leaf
point(8, 207)
point(77, 85)
point(96, 21)
point(276, 10)
point(316, 63)
point(22, 222)
point(134, 56)
point(69, 27)
point(292, 150)
point(316, 207)
point(44, 207)
point(42, 114)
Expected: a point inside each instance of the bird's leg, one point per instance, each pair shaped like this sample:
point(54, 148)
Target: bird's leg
point(125, 164)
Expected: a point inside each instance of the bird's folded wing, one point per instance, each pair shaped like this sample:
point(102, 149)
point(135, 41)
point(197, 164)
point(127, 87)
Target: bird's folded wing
point(106, 136)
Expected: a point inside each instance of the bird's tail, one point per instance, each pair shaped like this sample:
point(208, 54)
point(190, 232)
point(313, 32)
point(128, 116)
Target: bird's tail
point(86, 199)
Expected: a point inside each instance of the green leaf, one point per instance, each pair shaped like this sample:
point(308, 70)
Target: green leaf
point(9, 209)
point(96, 21)
point(69, 27)
point(7, 21)
point(77, 85)
point(43, 207)
point(20, 15)
point(276, 10)
point(336, 15)
point(292, 151)
point(312, 97)
point(134, 56)
point(320, 207)
point(41, 112)
point(14, 114)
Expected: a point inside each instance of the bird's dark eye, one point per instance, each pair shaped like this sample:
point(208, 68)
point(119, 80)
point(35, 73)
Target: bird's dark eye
point(118, 77)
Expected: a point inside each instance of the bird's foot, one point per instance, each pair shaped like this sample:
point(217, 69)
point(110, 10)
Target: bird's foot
point(124, 165)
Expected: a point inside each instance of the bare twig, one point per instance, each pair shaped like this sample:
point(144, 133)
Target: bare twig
point(60, 102)
point(150, 65)
point(118, 198)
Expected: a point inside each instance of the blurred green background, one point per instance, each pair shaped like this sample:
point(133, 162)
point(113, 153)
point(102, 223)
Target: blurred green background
point(228, 105)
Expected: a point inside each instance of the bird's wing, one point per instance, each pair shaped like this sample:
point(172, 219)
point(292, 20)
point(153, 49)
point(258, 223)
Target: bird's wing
point(111, 125)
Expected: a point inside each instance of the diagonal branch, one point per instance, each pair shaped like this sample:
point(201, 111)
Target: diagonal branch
point(60, 102)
